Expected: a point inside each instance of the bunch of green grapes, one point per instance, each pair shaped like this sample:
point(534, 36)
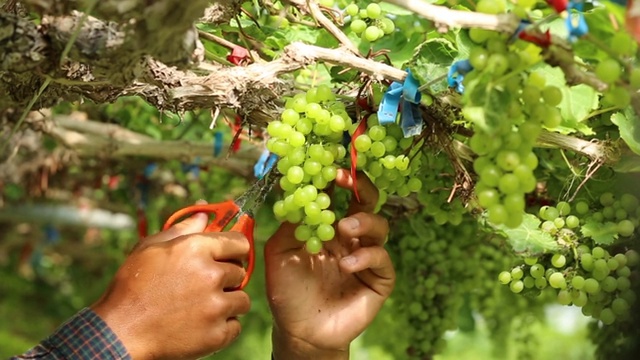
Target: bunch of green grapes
point(583, 273)
point(369, 22)
point(506, 161)
point(388, 158)
point(307, 138)
point(440, 268)
point(438, 178)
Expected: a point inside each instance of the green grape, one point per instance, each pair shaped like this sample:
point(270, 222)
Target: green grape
point(625, 228)
point(312, 167)
point(374, 11)
point(478, 57)
point(516, 286)
point(358, 26)
point(564, 297)
point(578, 282)
point(325, 232)
point(557, 281)
point(297, 139)
point(537, 271)
point(504, 277)
point(323, 200)
point(362, 143)
point(608, 70)
point(372, 33)
point(552, 95)
point(597, 253)
point(387, 26)
point(517, 273)
point(509, 184)
point(327, 217)
point(303, 233)
point(313, 245)
point(558, 260)
point(352, 9)
point(632, 258)
point(607, 316)
point(491, 6)
point(572, 222)
point(295, 174)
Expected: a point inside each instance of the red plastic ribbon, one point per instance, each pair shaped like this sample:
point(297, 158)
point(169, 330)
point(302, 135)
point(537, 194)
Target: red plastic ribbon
point(558, 5)
point(362, 127)
point(142, 223)
point(237, 128)
point(541, 39)
point(238, 56)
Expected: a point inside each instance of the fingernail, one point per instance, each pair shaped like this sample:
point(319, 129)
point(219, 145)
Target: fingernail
point(351, 223)
point(201, 202)
point(349, 260)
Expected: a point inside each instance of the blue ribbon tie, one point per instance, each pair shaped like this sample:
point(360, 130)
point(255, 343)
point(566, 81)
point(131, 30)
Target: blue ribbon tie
point(576, 23)
point(461, 68)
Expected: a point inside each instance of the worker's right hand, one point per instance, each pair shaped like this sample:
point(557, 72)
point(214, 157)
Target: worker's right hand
point(168, 299)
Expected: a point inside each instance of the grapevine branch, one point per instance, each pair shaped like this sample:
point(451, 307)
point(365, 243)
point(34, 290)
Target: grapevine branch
point(96, 139)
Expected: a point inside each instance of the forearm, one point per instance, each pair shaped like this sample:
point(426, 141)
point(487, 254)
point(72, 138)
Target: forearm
point(286, 347)
point(84, 336)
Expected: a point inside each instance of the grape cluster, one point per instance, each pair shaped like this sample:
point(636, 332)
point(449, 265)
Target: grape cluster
point(389, 159)
point(596, 278)
point(437, 179)
point(506, 161)
point(307, 138)
point(369, 22)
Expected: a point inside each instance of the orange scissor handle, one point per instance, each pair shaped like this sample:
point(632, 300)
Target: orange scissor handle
point(223, 213)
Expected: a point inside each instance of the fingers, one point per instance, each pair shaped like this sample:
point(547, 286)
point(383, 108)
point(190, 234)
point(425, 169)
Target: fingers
point(380, 276)
point(238, 303)
point(196, 223)
point(370, 229)
point(367, 191)
point(221, 246)
point(228, 275)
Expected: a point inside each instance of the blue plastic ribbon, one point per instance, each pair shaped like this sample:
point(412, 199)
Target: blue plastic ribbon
point(193, 168)
point(51, 234)
point(576, 23)
point(407, 92)
point(521, 27)
point(264, 164)
point(461, 68)
point(149, 169)
point(217, 143)
point(411, 119)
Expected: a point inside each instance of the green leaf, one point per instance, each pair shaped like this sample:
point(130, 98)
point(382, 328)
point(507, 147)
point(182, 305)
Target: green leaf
point(577, 101)
point(629, 129)
point(528, 238)
point(603, 234)
point(431, 63)
point(394, 9)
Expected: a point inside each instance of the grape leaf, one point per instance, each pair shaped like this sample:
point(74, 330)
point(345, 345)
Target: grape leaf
point(629, 130)
point(577, 101)
point(603, 234)
point(394, 9)
point(431, 63)
point(528, 238)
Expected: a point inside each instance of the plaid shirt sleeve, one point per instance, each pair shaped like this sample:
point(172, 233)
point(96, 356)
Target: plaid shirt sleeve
point(84, 336)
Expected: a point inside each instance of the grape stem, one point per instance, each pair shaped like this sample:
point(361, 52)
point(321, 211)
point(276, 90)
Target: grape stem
point(311, 7)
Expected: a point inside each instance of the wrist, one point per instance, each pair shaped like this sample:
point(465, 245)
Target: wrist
point(287, 347)
point(124, 329)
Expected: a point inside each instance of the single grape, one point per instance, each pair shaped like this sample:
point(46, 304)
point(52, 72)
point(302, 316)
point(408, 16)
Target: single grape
point(358, 26)
point(372, 33)
point(352, 9)
point(504, 277)
point(558, 260)
point(325, 232)
point(313, 245)
point(374, 11)
point(557, 281)
point(608, 70)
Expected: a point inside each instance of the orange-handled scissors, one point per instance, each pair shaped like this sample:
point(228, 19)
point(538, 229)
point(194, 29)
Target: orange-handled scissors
point(224, 212)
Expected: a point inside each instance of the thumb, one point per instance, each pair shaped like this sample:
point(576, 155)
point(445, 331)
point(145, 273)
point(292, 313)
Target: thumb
point(196, 223)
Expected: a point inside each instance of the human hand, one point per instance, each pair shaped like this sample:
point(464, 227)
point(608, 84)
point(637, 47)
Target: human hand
point(322, 302)
point(167, 300)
